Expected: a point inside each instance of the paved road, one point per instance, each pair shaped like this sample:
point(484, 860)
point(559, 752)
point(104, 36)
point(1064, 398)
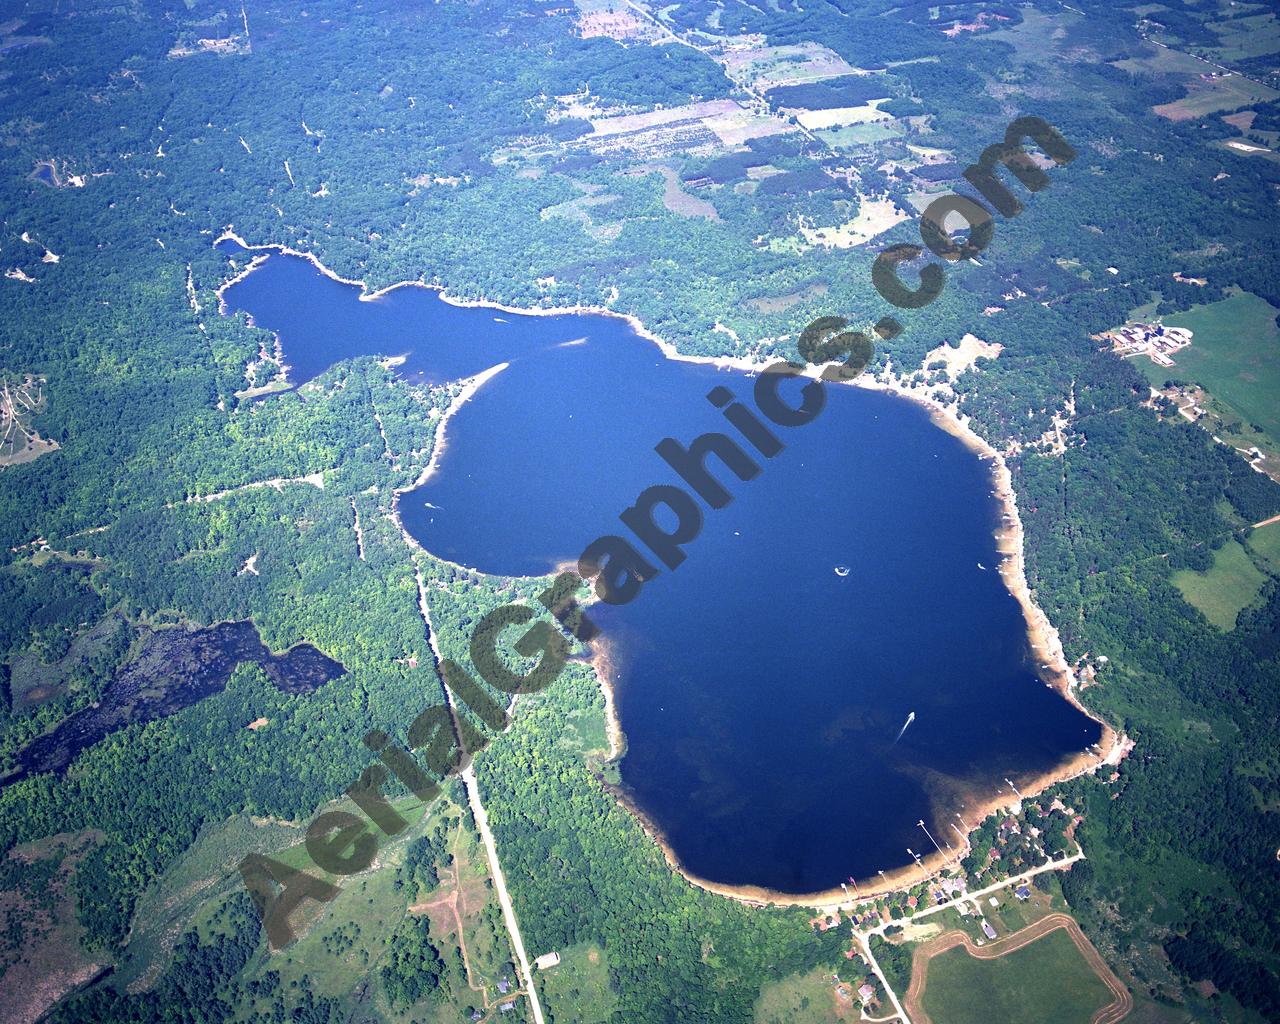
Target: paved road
point(978, 894)
point(863, 938)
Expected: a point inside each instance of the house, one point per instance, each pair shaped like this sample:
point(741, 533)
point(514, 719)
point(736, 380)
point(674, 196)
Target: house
point(1023, 893)
point(994, 902)
point(865, 992)
point(547, 961)
point(987, 930)
point(506, 1007)
point(504, 986)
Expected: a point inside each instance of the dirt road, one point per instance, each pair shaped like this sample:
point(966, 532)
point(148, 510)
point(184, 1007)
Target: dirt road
point(1112, 1013)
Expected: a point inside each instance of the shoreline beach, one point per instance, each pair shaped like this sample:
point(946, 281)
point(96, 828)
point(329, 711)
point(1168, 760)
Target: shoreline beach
point(1043, 638)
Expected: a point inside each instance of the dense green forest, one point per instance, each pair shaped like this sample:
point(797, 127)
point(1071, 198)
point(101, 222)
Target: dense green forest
point(426, 141)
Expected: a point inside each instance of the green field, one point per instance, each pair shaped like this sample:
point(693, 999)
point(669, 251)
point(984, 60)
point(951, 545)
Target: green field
point(1253, 35)
point(1235, 356)
point(804, 999)
point(1229, 586)
point(1265, 543)
point(855, 135)
point(1047, 982)
point(1203, 97)
point(578, 988)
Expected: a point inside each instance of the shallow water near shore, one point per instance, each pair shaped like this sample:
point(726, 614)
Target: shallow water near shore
point(759, 690)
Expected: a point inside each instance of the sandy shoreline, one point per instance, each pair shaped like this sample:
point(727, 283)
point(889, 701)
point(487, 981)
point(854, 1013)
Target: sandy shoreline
point(1043, 637)
point(470, 385)
point(669, 350)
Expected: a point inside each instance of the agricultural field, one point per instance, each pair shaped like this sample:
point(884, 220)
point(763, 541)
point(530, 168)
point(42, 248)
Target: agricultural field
point(1047, 980)
point(1207, 96)
point(855, 136)
point(1246, 36)
point(1204, 95)
point(1235, 356)
point(767, 67)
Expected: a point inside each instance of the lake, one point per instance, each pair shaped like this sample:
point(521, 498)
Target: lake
point(760, 691)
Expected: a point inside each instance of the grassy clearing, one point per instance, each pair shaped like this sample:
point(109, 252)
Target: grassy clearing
point(1235, 356)
point(578, 989)
point(855, 136)
point(1254, 35)
point(585, 732)
point(204, 873)
point(804, 999)
point(349, 939)
point(1047, 982)
point(1203, 97)
point(1230, 585)
point(1012, 915)
point(875, 216)
point(1265, 543)
point(1039, 37)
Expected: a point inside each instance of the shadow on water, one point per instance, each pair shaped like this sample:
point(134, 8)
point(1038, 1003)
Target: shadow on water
point(176, 669)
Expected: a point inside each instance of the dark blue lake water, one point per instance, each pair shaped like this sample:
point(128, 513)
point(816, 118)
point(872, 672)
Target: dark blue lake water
point(760, 692)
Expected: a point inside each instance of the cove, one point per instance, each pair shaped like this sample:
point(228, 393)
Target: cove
point(760, 692)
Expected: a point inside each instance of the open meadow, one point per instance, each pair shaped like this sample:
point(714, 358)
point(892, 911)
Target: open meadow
point(1047, 980)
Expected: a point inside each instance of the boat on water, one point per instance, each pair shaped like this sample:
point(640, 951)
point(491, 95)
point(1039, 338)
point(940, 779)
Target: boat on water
point(842, 571)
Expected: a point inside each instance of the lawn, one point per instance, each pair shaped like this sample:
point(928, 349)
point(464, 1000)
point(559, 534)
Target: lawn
point(1235, 356)
point(578, 988)
point(1226, 589)
point(1047, 982)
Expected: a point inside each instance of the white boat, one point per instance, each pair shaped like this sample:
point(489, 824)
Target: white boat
point(842, 571)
